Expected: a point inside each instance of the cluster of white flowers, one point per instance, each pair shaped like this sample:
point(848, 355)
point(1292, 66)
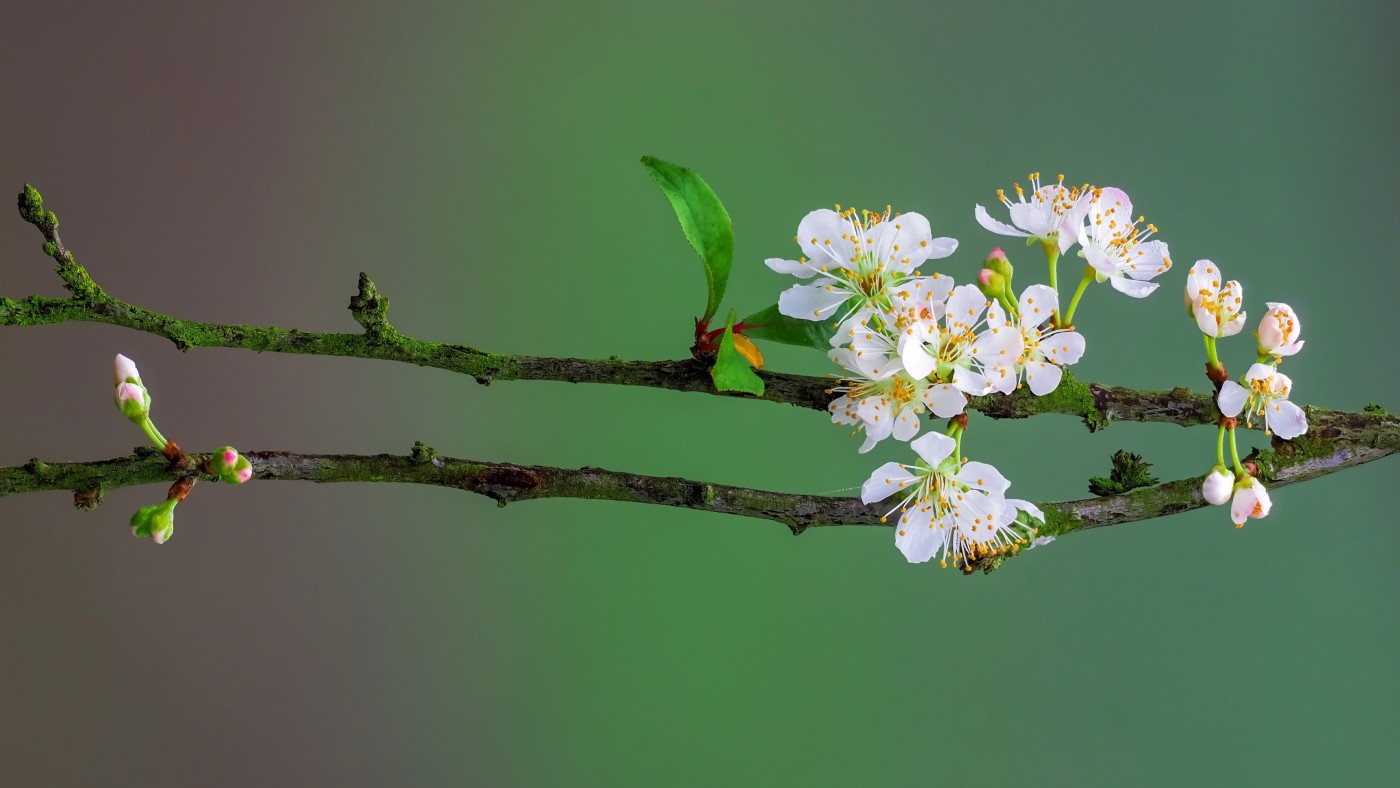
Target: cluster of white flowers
point(1218, 311)
point(910, 343)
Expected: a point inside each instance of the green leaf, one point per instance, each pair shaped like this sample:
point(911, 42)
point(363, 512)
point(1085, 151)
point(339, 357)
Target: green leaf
point(732, 371)
point(774, 326)
point(703, 219)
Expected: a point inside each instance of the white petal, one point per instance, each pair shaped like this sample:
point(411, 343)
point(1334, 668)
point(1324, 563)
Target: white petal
point(1037, 303)
point(799, 269)
point(902, 242)
point(942, 247)
point(1231, 398)
point(998, 345)
point(1289, 349)
point(887, 480)
point(1242, 505)
point(1027, 507)
point(826, 238)
point(965, 305)
point(981, 476)
point(843, 410)
point(933, 447)
point(916, 359)
point(1113, 202)
point(1065, 347)
point(811, 302)
point(906, 424)
point(1132, 287)
point(944, 400)
point(974, 383)
point(917, 536)
point(1260, 372)
point(1002, 377)
point(985, 219)
point(1233, 327)
point(1147, 260)
point(1042, 377)
point(1286, 420)
point(1206, 321)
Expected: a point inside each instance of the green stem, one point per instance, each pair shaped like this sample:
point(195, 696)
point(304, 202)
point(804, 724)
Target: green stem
point(1052, 256)
point(1235, 455)
point(154, 434)
point(1079, 293)
point(1210, 350)
point(1220, 446)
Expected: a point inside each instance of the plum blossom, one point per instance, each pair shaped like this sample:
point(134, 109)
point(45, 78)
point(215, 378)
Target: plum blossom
point(1031, 350)
point(1266, 396)
point(876, 395)
point(1117, 248)
point(1278, 331)
point(938, 342)
point(1052, 215)
point(856, 261)
point(947, 506)
point(1215, 307)
point(1251, 500)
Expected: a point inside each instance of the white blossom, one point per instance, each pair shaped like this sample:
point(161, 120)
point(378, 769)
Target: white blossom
point(1279, 330)
point(1217, 308)
point(1266, 397)
point(1052, 214)
point(1023, 346)
point(1117, 248)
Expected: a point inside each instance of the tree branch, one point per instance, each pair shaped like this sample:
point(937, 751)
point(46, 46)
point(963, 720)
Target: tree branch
point(1097, 405)
point(1340, 441)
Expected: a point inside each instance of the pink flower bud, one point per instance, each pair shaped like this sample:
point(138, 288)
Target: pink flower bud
point(997, 254)
point(230, 458)
point(985, 276)
point(1218, 485)
point(244, 475)
point(126, 370)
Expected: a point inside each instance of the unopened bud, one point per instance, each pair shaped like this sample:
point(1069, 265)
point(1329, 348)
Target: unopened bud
point(1251, 500)
point(992, 284)
point(1218, 486)
point(126, 371)
point(156, 522)
point(133, 401)
point(999, 264)
point(229, 466)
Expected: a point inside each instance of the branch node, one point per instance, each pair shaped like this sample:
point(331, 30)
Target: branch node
point(87, 500)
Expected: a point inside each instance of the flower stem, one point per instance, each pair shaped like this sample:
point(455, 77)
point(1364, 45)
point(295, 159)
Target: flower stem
point(154, 434)
point(1052, 256)
point(1235, 455)
point(1220, 447)
point(1078, 293)
point(1210, 350)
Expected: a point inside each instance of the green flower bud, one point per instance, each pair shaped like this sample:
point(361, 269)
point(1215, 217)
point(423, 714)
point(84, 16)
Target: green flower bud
point(998, 263)
point(156, 521)
point(230, 467)
point(992, 284)
point(134, 401)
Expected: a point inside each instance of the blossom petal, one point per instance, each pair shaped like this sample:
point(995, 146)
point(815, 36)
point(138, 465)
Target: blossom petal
point(906, 424)
point(1205, 320)
point(1231, 398)
point(965, 305)
point(917, 536)
point(974, 383)
point(998, 344)
point(843, 410)
point(1042, 377)
point(1132, 287)
point(826, 238)
point(1148, 260)
point(1037, 303)
point(933, 447)
point(992, 225)
point(1063, 347)
point(942, 247)
point(799, 269)
point(811, 302)
point(887, 480)
point(916, 359)
point(945, 400)
point(981, 476)
point(1027, 507)
point(902, 242)
point(1286, 420)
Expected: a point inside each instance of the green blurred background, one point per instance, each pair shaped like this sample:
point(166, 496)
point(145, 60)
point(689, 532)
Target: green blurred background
point(243, 162)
